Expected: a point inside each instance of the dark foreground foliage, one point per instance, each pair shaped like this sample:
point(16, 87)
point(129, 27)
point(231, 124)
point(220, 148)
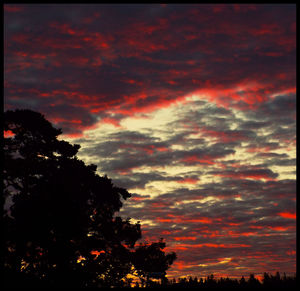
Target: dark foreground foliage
point(60, 222)
point(269, 282)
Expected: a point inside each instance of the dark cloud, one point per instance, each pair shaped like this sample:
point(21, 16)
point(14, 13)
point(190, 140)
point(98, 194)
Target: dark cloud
point(84, 47)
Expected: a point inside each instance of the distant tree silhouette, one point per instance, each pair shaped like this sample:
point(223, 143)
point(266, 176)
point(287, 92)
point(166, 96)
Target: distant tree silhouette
point(242, 282)
point(60, 228)
point(253, 282)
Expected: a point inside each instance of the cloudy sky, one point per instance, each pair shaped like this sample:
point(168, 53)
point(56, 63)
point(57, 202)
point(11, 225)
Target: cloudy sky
point(192, 108)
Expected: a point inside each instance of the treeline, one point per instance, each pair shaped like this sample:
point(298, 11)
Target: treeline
point(20, 280)
point(252, 283)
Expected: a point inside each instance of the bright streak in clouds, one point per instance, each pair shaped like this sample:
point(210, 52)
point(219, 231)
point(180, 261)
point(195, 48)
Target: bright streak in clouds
point(197, 121)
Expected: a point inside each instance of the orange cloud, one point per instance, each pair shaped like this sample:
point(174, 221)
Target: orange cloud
point(188, 181)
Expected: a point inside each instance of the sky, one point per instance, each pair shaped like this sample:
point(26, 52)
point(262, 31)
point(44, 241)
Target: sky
point(190, 107)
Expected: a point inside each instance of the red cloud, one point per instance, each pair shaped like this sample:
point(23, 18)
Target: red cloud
point(250, 93)
point(180, 238)
point(188, 181)
point(288, 215)
point(97, 253)
point(267, 29)
point(60, 119)
point(280, 228)
point(248, 175)
point(258, 149)
point(149, 149)
point(206, 159)
point(213, 245)
point(10, 8)
point(112, 121)
point(138, 198)
point(178, 219)
point(8, 133)
point(222, 136)
point(180, 264)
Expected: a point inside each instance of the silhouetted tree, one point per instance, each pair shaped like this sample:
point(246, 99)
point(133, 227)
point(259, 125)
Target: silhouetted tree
point(150, 261)
point(266, 280)
point(242, 282)
point(253, 282)
point(59, 218)
point(210, 281)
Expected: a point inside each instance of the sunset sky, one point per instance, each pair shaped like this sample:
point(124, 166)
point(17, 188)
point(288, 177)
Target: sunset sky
point(191, 108)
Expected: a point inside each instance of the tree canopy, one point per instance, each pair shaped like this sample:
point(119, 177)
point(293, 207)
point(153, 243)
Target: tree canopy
point(60, 223)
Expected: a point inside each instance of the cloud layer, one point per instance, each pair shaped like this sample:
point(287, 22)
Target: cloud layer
point(190, 107)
